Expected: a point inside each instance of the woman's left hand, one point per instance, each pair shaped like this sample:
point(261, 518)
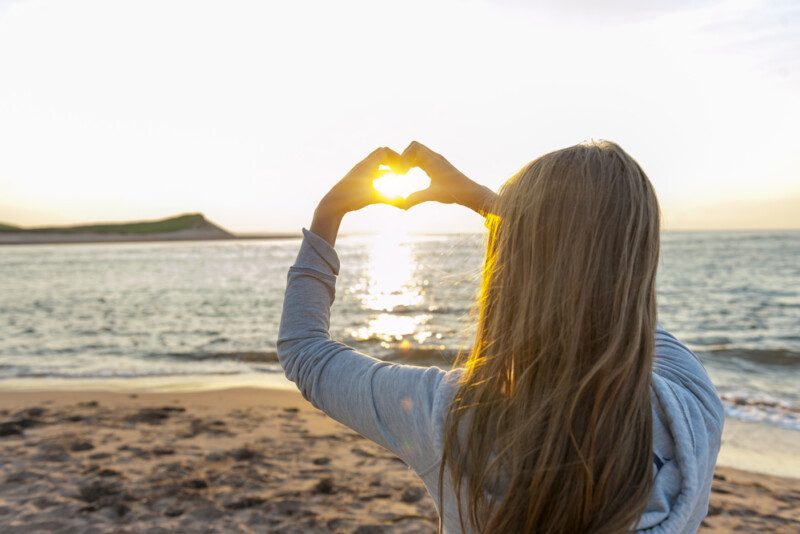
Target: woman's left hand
point(354, 192)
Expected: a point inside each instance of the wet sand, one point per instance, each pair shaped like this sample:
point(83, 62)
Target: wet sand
point(245, 460)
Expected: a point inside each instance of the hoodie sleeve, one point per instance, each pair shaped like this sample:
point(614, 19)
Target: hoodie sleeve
point(388, 403)
point(694, 416)
point(679, 365)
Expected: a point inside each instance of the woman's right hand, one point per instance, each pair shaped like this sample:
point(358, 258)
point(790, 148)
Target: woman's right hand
point(448, 184)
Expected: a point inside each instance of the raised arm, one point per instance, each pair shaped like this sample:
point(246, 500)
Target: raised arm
point(391, 404)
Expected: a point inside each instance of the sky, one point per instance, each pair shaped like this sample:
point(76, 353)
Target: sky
point(250, 111)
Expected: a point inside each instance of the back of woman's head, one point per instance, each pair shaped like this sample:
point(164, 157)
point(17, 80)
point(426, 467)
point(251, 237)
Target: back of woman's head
point(557, 385)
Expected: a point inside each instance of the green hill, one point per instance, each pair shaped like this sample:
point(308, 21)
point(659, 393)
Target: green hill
point(188, 227)
point(171, 224)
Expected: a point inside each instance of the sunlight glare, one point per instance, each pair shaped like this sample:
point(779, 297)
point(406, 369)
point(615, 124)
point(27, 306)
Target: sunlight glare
point(393, 186)
point(392, 290)
point(391, 274)
point(387, 327)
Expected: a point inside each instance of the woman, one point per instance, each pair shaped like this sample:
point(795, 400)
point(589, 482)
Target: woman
point(575, 411)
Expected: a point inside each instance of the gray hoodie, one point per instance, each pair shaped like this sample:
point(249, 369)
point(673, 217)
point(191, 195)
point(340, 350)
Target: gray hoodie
point(402, 407)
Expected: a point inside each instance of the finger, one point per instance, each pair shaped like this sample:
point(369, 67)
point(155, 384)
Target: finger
point(383, 156)
point(418, 155)
point(414, 150)
point(417, 197)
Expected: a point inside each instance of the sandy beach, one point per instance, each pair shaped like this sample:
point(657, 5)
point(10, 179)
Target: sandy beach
point(245, 460)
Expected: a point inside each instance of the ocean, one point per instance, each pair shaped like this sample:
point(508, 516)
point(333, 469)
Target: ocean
point(152, 310)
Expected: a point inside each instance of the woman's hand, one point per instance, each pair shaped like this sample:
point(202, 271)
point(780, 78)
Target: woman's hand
point(448, 184)
point(354, 192)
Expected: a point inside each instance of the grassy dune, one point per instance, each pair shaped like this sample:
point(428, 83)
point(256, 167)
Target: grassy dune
point(171, 224)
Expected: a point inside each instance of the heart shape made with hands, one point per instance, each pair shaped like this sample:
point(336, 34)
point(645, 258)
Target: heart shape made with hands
point(394, 186)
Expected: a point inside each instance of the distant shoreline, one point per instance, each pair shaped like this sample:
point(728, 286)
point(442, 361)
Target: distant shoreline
point(187, 227)
point(69, 239)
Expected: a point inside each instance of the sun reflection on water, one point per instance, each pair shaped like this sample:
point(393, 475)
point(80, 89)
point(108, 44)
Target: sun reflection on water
point(392, 289)
point(391, 274)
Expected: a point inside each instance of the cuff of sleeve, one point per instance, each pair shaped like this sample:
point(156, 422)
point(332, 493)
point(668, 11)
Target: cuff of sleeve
point(317, 253)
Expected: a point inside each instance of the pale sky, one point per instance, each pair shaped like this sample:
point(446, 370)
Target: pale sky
point(249, 111)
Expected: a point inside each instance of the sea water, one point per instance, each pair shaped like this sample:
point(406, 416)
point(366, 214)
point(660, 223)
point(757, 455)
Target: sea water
point(156, 310)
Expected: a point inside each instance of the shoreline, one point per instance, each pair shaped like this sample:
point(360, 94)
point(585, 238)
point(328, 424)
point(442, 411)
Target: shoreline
point(244, 459)
point(68, 239)
point(742, 441)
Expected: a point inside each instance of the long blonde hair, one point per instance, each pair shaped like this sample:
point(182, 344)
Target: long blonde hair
point(555, 393)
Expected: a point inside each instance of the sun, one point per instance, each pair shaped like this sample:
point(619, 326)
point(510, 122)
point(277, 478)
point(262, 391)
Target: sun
point(393, 186)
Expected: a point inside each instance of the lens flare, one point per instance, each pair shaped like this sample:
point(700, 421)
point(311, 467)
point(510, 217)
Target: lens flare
point(393, 186)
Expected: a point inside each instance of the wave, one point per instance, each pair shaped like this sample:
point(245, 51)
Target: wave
point(113, 374)
point(777, 413)
point(422, 355)
point(739, 400)
point(269, 356)
point(443, 354)
point(432, 310)
point(412, 355)
point(774, 357)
